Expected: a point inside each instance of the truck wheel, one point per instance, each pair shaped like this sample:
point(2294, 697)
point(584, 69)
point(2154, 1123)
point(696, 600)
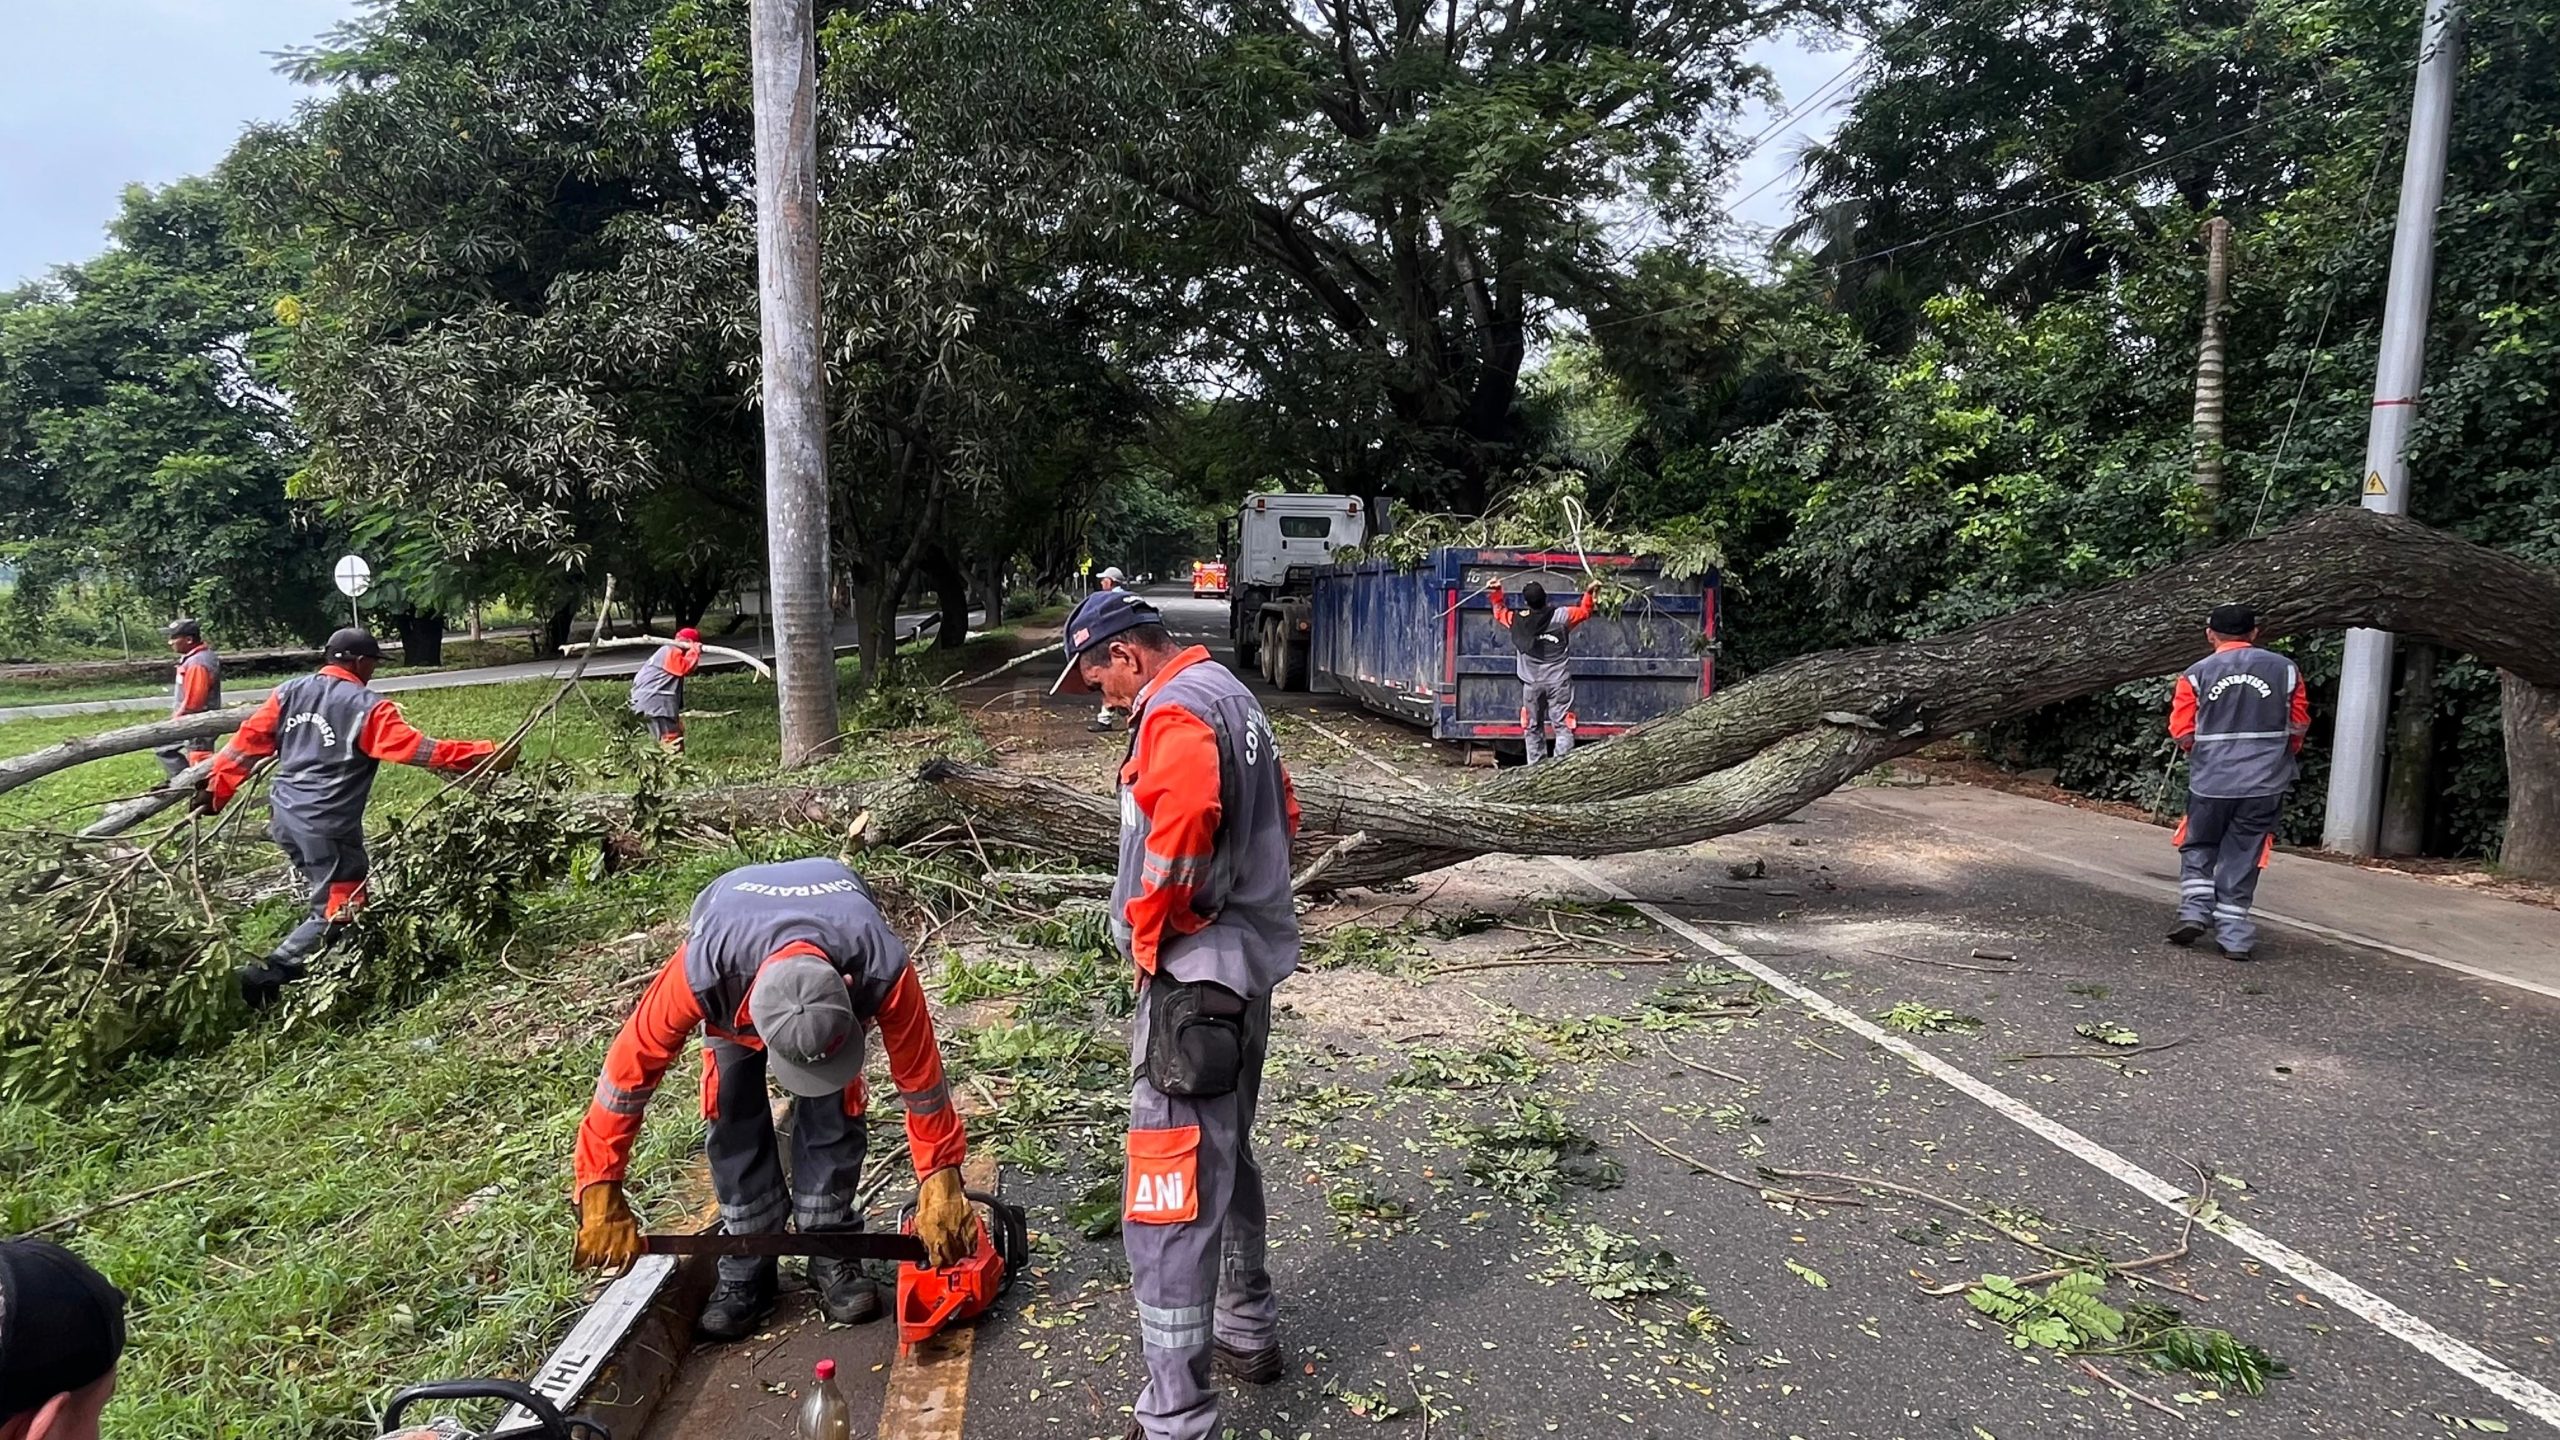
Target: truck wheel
point(1288, 664)
point(1268, 653)
point(1248, 640)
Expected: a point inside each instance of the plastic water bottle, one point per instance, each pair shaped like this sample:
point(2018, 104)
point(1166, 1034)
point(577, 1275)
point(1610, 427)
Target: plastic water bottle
point(823, 1413)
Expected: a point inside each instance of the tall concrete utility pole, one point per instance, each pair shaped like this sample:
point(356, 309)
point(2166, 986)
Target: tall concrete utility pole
point(795, 381)
point(2364, 686)
point(2209, 368)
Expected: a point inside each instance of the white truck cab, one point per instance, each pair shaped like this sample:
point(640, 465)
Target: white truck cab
point(1275, 544)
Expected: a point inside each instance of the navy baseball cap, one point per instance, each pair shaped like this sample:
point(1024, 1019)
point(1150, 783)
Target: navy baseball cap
point(1103, 614)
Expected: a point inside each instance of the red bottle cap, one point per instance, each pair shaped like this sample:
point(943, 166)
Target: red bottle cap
point(826, 1371)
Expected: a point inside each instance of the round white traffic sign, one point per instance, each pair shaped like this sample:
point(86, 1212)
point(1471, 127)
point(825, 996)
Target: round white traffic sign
point(354, 576)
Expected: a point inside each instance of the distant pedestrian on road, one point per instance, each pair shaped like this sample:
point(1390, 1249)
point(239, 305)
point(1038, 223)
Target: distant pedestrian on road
point(329, 734)
point(1542, 639)
point(1202, 908)
point(657, 689)
point(61, 1335)
point(2240, 714)
point(1110, 715)
point(199, 688)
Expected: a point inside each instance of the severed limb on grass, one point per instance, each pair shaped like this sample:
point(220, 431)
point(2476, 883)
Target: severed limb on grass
point(762, 670)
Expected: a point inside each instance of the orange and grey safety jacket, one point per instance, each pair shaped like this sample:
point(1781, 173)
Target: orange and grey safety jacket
point(658, 688)
point(199, 683)
point(1206, 816)
point(2240, 714)
point(1542, 641)
point(740, 922)
point(329, 735)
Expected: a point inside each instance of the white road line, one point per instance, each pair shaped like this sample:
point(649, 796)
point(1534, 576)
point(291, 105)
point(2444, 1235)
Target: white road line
point(2463, 1359)
point(2158, 885)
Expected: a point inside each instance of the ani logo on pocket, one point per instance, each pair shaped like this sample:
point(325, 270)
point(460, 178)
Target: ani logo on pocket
point(1163, 1183)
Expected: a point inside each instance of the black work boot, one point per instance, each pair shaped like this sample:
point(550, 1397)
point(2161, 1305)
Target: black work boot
point(845, 1295)
point(262, 984)
point(737, 1307)
point(1254, 1367)
point(2186, 932)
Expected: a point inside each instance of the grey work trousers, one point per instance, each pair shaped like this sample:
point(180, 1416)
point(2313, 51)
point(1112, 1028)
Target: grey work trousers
point(1204, 1276)
point(828, 1136)
point(1546, 709)
point(334, 867)
point(2222, 845)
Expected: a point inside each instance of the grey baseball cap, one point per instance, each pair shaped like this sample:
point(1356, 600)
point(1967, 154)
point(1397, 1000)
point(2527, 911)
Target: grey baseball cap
point(804, 1012)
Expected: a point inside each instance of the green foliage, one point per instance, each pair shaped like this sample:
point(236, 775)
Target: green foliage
point(1547, 510)
point(1533, 1156)
point(1364, 947)
point(1911, 1017)
point(1442, 1068)
point(2106, 1032)
point(2072, 1315)
point(1619, 1268)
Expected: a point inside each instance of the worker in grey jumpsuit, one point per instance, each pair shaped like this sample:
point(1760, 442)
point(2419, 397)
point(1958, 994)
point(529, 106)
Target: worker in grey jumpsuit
point(1201, 906)
point(2240, 714)
point(1542, 639)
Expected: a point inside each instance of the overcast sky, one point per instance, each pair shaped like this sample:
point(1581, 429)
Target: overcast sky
point(97, 94)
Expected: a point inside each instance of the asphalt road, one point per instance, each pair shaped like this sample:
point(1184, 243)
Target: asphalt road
point(2371, 1105)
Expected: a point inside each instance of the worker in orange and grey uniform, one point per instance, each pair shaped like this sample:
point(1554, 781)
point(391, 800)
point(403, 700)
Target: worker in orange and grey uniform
point(1109, 715)
point(198, 688)
point(1542, 639)
point(2240, 714)
point(657, 688)
point(782, 967)
point(329, 734)
point(1201, 907)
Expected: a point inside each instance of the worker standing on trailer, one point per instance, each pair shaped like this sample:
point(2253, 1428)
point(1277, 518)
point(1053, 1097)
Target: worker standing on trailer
point(657, 687)
point(2240, 714)
point(61, 1338)
point(782, 968)
point(1542, 637)
point(1202, 907)
point(329, 734)
point(198, 688)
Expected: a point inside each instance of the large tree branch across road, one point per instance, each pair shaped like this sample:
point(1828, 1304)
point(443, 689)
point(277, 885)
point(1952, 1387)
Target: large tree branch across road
point(1783, 739)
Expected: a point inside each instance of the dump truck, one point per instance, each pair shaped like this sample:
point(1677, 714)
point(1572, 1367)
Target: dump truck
point(1418, 642)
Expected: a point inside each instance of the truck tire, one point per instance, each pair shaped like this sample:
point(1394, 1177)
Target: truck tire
point(1267, 652)
point(1244, 626)
point(1288, 664)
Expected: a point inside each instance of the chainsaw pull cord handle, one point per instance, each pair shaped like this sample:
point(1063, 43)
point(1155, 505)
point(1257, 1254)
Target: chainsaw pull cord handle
point(554, 1424)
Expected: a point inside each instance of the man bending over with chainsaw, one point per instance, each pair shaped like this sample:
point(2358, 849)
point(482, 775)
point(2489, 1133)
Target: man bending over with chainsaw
point(782, 968)
point(1202, 908)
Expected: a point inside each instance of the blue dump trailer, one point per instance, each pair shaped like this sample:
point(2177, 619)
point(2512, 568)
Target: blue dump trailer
point(1421, 645)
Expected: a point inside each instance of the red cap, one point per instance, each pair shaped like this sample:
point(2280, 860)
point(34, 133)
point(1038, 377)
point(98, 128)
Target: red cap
point(826, 1370)
point(688, 634)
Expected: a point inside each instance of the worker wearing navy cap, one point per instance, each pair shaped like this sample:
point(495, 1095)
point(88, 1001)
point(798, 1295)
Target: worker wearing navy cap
point(2240, 714)
point(1201, 907)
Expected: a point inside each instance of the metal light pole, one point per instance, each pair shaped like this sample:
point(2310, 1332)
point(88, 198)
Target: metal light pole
point(2364, 685)
point(795, 382)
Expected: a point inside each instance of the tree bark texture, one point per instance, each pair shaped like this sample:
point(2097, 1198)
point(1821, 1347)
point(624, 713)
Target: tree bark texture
point(794, 381)
point(2209, 368)
point(2532, 716)
point(1779, 741)
point(81, 749)
point(2409, 786)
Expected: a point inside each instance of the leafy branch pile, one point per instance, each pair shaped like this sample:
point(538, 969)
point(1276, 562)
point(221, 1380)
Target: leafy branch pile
point(129, 952)
point(1547, 510)
point(2072, 1315)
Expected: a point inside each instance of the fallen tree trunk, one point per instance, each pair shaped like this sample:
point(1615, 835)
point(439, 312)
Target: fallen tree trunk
point(1779, 741)
point(81, 749)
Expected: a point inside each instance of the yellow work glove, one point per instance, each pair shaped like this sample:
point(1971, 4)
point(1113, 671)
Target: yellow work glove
point(944, 1220)
point(500, 761)
point(608, 1235)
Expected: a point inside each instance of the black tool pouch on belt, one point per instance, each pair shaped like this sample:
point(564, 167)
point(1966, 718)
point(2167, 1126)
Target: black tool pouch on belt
point(1195, 1038)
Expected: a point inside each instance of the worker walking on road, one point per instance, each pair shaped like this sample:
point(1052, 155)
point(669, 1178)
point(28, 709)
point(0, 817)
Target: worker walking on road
point(1109, 715)
point(782, 968)
point(198, 689)
point(1542, 637)
point(1202, 907)
point(329, 734)
point(2240, 714)
point(657, 688)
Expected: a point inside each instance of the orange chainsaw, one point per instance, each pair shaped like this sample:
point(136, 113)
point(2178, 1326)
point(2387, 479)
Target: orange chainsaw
point(931, 1299)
